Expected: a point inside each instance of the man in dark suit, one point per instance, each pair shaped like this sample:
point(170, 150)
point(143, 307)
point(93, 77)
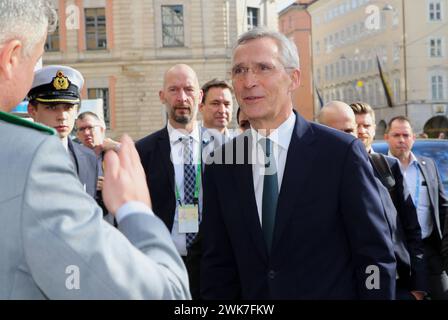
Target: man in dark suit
point(426, 189)
point(53, 101)
point(172, 161)
point(399, 209)
point(280, 220)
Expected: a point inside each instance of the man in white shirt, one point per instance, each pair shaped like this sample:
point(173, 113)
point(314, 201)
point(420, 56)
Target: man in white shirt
point(172, 159)
point(423, 181)
point(217, 109)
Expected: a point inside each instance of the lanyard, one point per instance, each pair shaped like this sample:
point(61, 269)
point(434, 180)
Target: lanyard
point(417, 186)
point(197, 184)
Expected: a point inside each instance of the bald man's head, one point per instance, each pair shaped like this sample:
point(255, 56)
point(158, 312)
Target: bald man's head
point(181, 95)
point(338, 115)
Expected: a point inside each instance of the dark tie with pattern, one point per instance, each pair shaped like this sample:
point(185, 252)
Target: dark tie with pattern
point(270, 193)
point(189, 179)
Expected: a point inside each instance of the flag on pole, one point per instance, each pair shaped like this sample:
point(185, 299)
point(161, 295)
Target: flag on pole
point(386, 87)
point(319, 96)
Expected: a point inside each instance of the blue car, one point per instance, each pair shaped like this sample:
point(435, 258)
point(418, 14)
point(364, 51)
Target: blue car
point(436, 149)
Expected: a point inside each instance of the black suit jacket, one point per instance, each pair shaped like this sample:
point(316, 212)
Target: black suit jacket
point(154, 151)
point(329, 230)
point(86, 166)
point(155, 155)
point(401, 216)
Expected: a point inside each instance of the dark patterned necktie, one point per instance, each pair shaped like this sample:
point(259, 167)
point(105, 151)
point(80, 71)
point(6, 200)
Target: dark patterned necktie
point(189, 179)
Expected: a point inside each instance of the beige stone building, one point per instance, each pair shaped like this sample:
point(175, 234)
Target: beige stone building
point(410, 39)
point(124, 47)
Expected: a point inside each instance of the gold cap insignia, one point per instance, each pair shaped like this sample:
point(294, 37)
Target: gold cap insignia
point(60, 82)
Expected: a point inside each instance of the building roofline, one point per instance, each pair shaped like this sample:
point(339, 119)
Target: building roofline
point(295, 5)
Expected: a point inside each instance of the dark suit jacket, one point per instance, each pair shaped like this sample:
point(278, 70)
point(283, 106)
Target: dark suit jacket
point(155, 155)
point(86, 166)
point(405, 230)
point(329, 225)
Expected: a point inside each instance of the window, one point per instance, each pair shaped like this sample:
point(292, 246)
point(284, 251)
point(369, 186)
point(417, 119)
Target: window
point(252, 18)
point(437, 87)
point(96, 37)
point(435, 11)
point(101, 93)
point(435, 47)
point(173, 26)
point(52, 42)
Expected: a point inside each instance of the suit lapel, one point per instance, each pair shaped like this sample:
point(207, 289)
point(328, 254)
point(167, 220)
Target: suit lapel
point(424, 168)
point(75, 155)
point(165, 155)
point(243, 178)
point(298, 169)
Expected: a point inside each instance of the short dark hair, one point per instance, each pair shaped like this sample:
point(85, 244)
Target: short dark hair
point(397, 118)
point(215, 83)
point(360, 107)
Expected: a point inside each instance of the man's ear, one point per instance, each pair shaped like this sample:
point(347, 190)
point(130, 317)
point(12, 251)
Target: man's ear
point(201, 107)
point(10, 54)
point(295, 77)
point(32, 111)
point(162, 96)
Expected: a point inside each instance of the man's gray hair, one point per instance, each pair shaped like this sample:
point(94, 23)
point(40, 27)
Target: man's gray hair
point(289, 56)
point(26, 20)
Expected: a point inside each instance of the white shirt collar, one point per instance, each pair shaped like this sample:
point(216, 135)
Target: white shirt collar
point(177, 134)
point(280, 136)
point(413, 159)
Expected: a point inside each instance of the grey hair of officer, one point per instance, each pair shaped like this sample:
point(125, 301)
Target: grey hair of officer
point(27, 21)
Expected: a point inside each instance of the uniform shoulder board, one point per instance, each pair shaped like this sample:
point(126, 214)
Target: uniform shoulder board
point(10, 118)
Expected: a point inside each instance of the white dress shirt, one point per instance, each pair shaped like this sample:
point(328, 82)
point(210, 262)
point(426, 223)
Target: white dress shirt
point(414, 181)
point(177, 158)
point(281, 138)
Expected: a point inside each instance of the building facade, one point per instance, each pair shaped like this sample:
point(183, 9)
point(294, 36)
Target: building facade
point(295, 23)
point(353, 39)
point(123, 49)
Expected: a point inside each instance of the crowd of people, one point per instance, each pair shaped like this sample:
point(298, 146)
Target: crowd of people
point(279, 208)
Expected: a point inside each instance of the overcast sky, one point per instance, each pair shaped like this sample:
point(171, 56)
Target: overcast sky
point(281, 4)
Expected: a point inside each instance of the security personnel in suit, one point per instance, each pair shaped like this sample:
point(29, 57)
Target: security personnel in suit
point(399, 210)
point(170, 158)
point(54, 243)
point(54, 99)
point(425, 186)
